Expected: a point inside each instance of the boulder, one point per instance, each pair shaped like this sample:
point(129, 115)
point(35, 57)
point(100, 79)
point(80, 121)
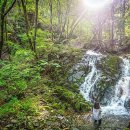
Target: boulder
point(127, 103)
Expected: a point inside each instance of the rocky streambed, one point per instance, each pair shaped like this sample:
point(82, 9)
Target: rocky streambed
point(107, 79)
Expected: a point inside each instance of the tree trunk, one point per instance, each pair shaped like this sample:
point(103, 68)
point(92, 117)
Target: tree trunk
point(66, 19)
point(2, 37)
point(51, 18)
point(59, 12)
point(112, 24)
point(2, 26)
point(27, 24)
point(76, 23)
point(36, 19)
point(122, 32)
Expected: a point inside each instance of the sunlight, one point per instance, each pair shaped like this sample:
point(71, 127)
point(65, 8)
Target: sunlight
point(96, 4)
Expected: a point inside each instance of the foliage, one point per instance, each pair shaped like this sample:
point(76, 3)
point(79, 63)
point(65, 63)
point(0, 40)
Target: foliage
point(111, 65)
point(16, 74)
point(17, 107)
point(58, 33)
point(74, 100)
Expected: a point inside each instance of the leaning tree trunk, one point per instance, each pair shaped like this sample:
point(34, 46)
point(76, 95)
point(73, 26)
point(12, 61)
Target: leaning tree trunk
point(76, 23)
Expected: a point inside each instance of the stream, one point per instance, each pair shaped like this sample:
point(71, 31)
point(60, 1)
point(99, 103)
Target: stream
point(115, 107)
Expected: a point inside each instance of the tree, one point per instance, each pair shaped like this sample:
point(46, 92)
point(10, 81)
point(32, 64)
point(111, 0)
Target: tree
point(3, 14)
point(27, 24)
point(51, 18)
point(36, 19)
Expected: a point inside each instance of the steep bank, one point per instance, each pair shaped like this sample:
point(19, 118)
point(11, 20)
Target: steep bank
point(40, 96)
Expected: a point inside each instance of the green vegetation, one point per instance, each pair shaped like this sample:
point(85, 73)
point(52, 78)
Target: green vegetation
point(40, 42)
point(25, 80)
point(110, 67)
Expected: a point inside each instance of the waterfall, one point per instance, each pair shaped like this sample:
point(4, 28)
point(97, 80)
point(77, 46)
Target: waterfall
point(122, 92)
point(93, 77)
point(121, 89)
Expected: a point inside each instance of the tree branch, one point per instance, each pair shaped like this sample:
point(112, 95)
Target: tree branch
point(8, 10)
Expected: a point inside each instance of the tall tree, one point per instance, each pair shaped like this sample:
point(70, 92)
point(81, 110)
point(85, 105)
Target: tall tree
point(123, 10)
point(51, 17)
point(36, 19)
point(112, 23)
point(27, 23)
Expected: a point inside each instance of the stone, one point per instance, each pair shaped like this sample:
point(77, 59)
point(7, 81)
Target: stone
point(127, 103)
point(14, 121)
point(75, 129)
point(78, 75)
point(9, 125)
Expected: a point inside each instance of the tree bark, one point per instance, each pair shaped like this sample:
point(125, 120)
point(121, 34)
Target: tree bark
point(66, 19)
point(2, 26)
point(2, 20)
point(51, 18)
point(36, 19)
point(76, 23)
point(27, 24)
point(59, 12)
point(112, 24)
point(8, 10)
point(123, 9)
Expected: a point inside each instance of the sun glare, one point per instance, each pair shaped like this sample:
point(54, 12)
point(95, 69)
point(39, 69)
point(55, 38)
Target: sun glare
point(96, 4)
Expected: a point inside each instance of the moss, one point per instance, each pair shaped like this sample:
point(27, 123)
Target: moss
point(72, 99)
point(110, 67)
point(15, 106)
point(43, 78)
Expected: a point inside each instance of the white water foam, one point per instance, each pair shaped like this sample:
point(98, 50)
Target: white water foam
point(116, 106)
point(122, 92)
point(94, 75)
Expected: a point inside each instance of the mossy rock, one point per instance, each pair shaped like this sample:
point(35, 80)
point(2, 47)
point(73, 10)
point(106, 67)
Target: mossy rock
point(74, 100)
point(78, 75)
point(110, 66)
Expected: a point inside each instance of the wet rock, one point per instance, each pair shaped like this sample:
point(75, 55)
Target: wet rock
point(13, 121)
point(115, 122)
point(9, 126)
point(78, 75)
point(104, 101)
point(127, 103)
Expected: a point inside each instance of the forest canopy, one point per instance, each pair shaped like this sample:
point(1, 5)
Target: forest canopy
point(106, 22)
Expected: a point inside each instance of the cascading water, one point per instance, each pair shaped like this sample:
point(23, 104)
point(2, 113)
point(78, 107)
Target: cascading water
point(94, 75)
point(122, 92)
point(116, 105)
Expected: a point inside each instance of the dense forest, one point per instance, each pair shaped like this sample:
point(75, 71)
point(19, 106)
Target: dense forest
point(40, 43)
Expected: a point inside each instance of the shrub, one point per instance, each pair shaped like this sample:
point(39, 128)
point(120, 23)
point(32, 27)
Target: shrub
point(75, 100)
point(16, 74)
point(17, 108)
